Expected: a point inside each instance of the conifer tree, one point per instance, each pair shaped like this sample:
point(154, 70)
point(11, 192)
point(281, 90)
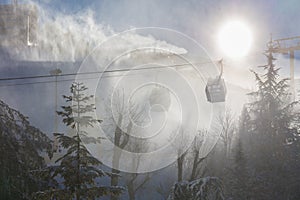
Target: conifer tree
point(21, 146)
point(269, 125)
point(79, 170)
point(272, 106)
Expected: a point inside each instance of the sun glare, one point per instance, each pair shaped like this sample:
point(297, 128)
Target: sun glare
point(235, 39)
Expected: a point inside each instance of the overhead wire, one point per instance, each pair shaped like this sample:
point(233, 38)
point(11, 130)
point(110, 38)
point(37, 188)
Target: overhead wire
point(63, 80)
point(99, 72)
point(103, 72)
point(91, 73)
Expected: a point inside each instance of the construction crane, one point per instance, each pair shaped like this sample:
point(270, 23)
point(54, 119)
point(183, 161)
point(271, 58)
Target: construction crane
point(288, 46)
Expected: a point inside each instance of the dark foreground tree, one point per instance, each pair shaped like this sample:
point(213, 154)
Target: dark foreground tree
point(22, 148)
point(78, 169)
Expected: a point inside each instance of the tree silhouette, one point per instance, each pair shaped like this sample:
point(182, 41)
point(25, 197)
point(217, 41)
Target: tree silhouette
point(21, 146)
point(269, 125)
point(77, 167)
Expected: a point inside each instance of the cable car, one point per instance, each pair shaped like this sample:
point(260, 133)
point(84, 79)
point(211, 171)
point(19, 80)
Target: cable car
point(215, 89)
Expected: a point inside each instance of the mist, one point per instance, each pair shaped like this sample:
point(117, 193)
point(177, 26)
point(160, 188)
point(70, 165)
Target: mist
point(149, 121)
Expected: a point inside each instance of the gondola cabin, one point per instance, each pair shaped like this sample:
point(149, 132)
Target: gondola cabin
point(215, 90)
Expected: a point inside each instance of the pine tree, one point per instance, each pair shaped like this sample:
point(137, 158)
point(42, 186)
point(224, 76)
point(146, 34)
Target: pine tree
point(271, 106)
point(271, 117)
point(20, 154)
point(77, 167)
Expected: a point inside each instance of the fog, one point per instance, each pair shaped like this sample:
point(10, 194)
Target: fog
point(147, 64)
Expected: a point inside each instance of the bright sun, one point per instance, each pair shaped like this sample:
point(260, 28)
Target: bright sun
point(235, 39)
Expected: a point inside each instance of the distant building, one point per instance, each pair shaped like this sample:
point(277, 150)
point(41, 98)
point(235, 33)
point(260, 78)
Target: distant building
point(18, 25)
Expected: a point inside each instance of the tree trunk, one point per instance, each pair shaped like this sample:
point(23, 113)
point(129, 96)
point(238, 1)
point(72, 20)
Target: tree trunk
point(195, 165)
point(180, 167)
point(116, 157)
point(78, 151)
point(131, 191)
point(118, 144)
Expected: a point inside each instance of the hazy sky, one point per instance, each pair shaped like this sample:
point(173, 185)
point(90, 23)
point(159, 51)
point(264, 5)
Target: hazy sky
point(200, 19)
